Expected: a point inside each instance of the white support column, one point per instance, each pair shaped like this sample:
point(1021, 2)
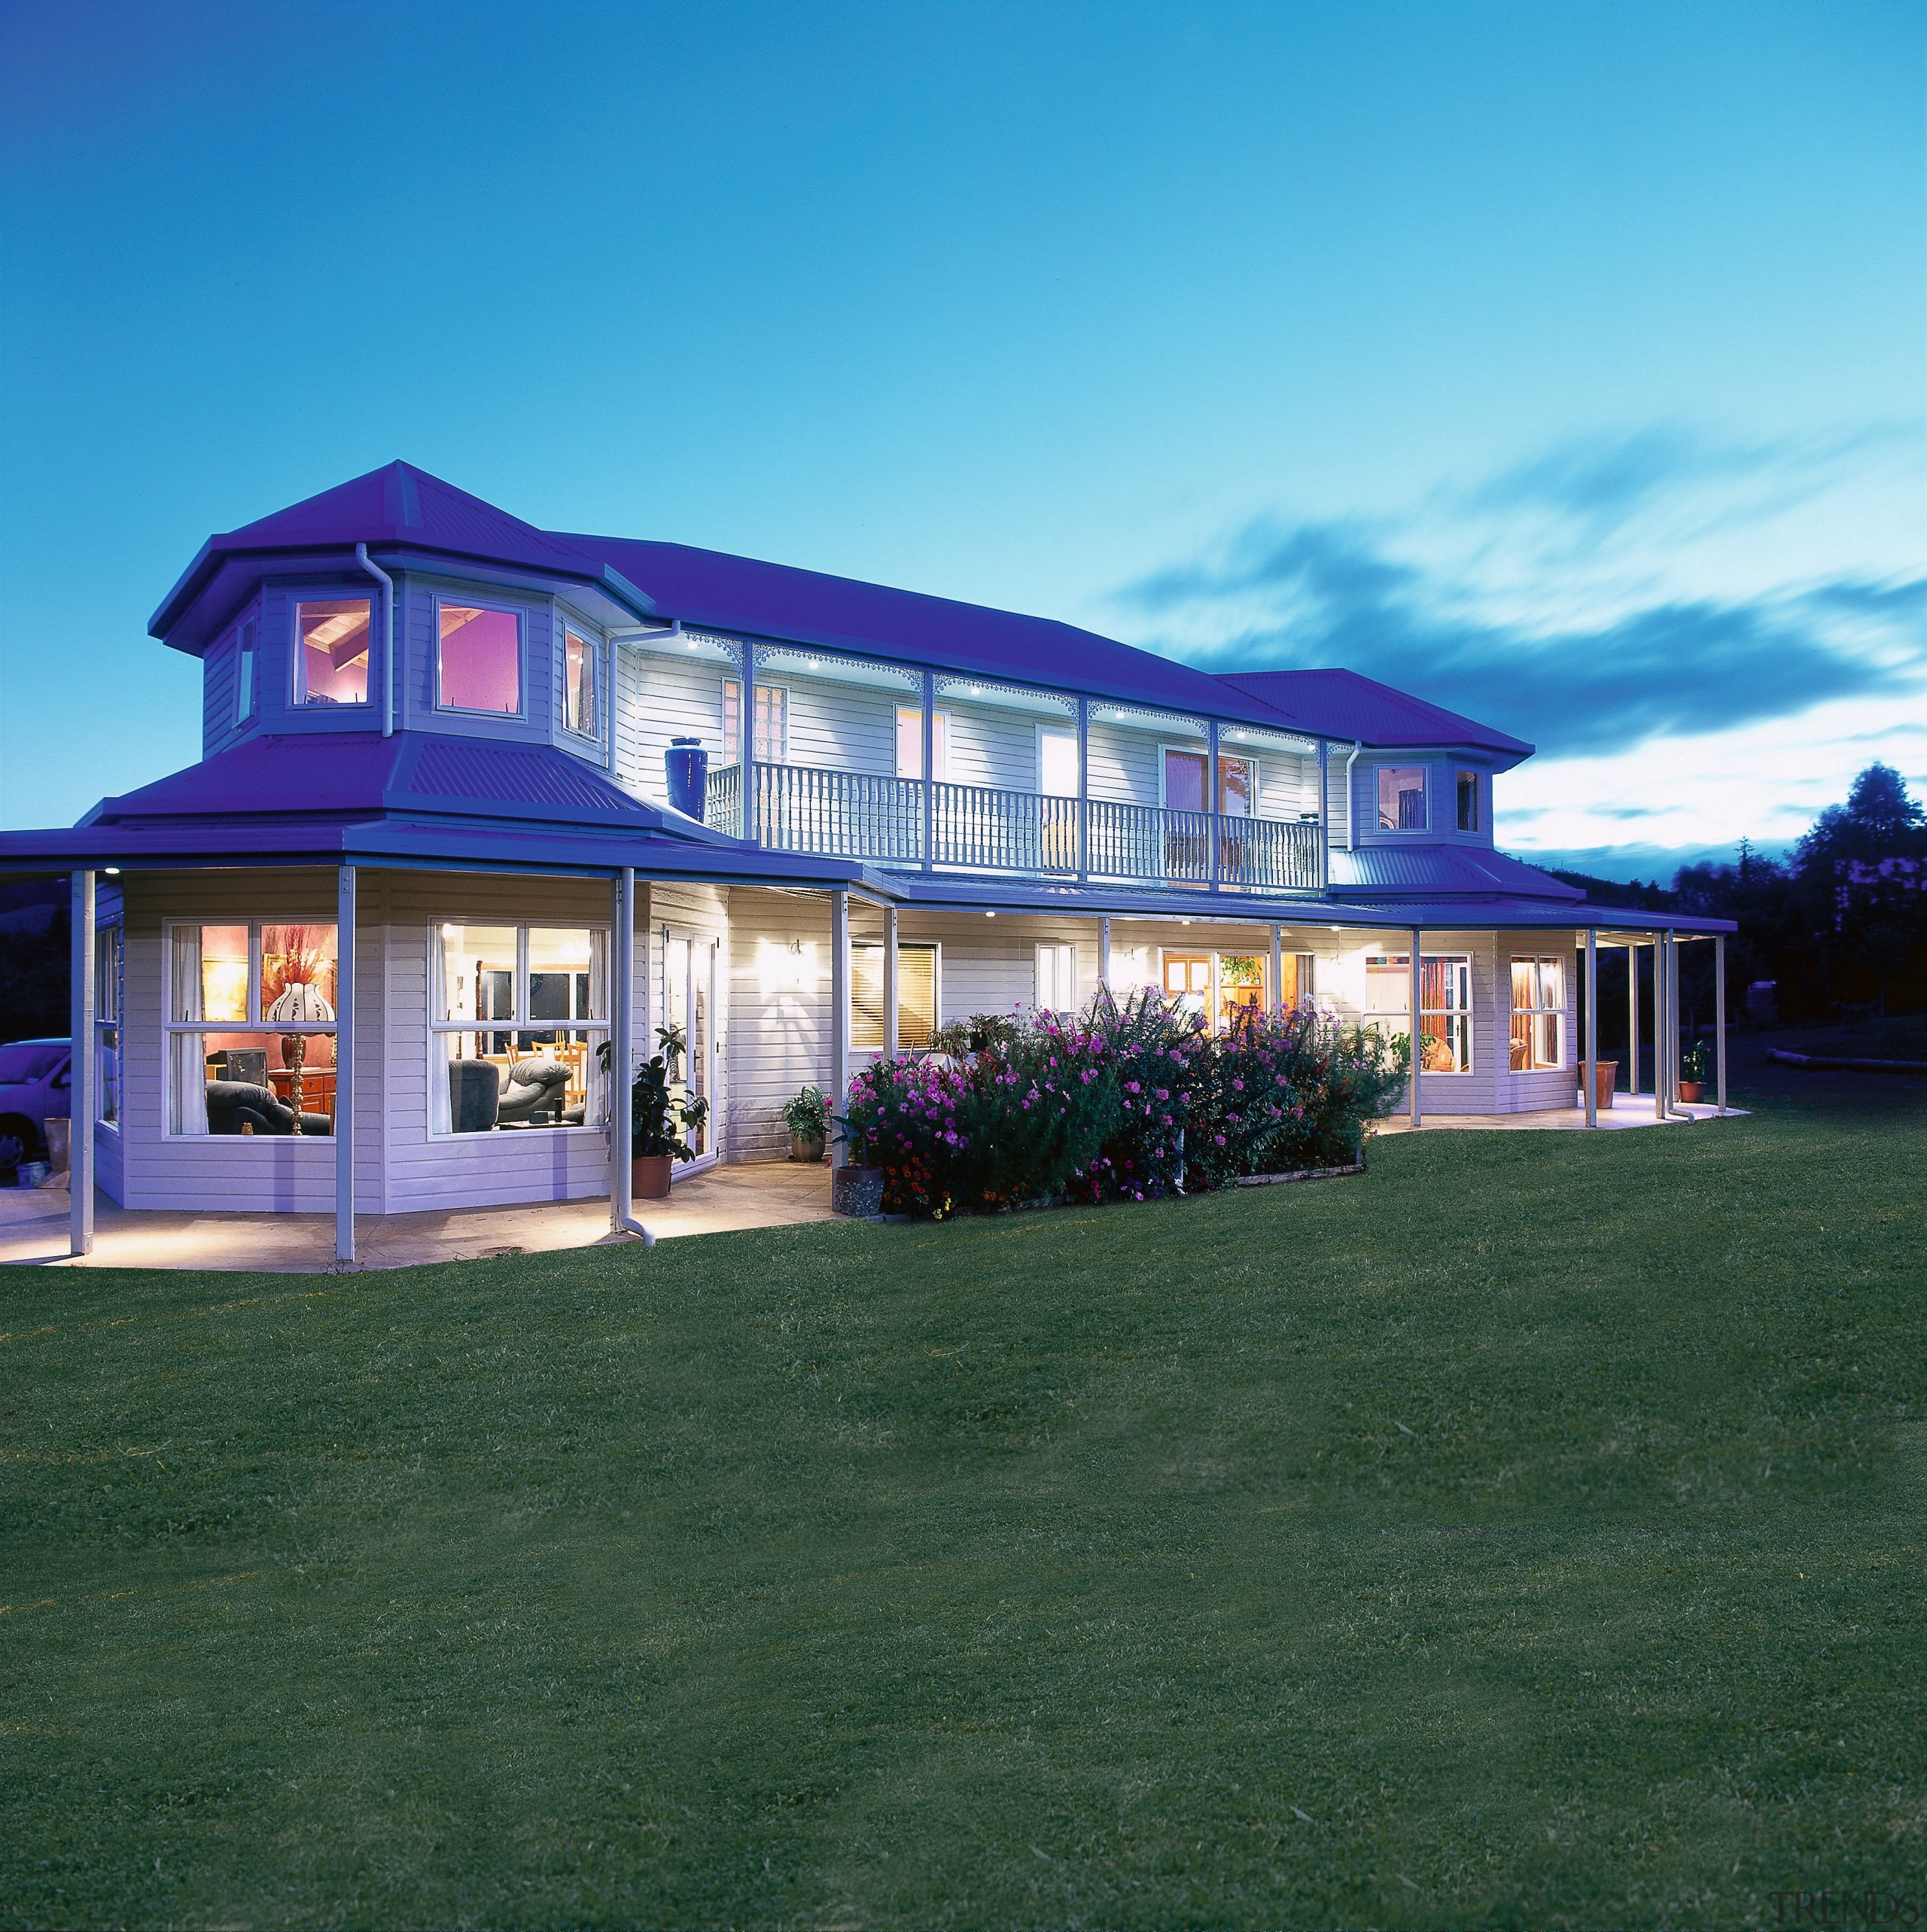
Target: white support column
point(344, 1066)
point(80, 1099)
point(891, 993)
point(929, 770)
point(1632, 1018)
point(1277, 969)
point(1418, 1024)
point(1213, 801)
point(1083, 789)
point(1719, 1012)
point(1659, 1025)
point(1592, 1026)
point(1324, 814)
point(1215, 994)
point(746, 752)
point(839, 1009)
point(1104, 953)
point(622, 1045)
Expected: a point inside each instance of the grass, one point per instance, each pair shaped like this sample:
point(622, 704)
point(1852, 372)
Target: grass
point(1529, 1533)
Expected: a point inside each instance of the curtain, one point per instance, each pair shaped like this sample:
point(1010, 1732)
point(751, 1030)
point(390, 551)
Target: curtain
point(187, 1073)
point(596, 1081)
point(443, 1048)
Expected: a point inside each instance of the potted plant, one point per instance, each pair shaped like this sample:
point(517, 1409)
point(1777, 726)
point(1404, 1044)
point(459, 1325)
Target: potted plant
point(1693, 1073)
point(656, 1141)
point(856, 1187)
point(807, 1116)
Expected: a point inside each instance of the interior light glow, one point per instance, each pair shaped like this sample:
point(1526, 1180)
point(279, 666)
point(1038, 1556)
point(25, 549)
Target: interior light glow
point(112, 871)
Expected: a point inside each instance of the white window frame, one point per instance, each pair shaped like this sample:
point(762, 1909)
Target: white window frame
point(732, 735)
point(1063, 957)
point(172, 1029)
point(936, 951)
point(598, 657)
point(1538, 962)
point(1398, 1019)
point(297, 652)
point(1378, 824)
point(110, 993)
point(248, 668)
point(939, 741)
point(520, 714)
point(596, 1030)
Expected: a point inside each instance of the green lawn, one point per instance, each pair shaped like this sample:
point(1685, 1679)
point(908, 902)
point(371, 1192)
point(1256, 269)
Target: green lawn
point(1529, 1533)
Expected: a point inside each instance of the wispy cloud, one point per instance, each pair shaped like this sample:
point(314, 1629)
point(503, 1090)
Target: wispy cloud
point(1600, 643)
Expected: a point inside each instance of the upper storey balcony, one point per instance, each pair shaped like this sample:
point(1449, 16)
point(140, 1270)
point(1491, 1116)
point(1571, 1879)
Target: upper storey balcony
point(1021, 780)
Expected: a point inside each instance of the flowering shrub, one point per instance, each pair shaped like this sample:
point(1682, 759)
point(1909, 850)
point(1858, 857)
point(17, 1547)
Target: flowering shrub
point(1131, 1101)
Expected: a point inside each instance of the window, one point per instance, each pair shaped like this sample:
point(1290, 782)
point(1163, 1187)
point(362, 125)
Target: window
point(1468, 800)
point(250, 1028)
point(1539, 1014)
point(910, 742)
point(109, 978)
point(1184, 783)
point(244, 672)
point(1401, 798)
point(517, 1015)
point(331, 651)
point(771, 742)
point(479, 660)
point(1057, 979)
point(579, 658)
point(916, 998)
point(1057, 764)
point(1445, 1004)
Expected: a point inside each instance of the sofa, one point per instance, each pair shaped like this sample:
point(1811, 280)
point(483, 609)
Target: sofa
point(479, 1101)
point(238, 1106)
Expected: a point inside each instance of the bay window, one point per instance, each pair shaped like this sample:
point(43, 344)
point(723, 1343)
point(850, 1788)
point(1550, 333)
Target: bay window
point(250, 1028)
point(518, 1015)
point(1401, 798)
point(1445, 1005)
point(1538, 1013)
point(478, 666)
point(244, 672)
point(580, 659)
point(331, 650)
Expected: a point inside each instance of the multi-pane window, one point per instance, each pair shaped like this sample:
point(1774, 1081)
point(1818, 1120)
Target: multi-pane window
point(244, 672)
point(109, 978)
point(1445, 1004)
point(771, 746)
point(1057, 978)
point(517, 1016)
point(1401, 798)
point(916, 998)
point(331, 650)
point(250, 1028)
point(1185, 789)
point(1538, 1013)
point(479, 660)
point(579, 683)
point(910, 743)
point(1468, 801)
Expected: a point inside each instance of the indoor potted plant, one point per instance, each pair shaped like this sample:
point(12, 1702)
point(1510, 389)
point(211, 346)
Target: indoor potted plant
point(1693, 1073)
point(807, 1116)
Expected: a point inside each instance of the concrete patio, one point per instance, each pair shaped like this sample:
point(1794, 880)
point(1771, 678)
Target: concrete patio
point(1627, 1110)
point(761, 1194)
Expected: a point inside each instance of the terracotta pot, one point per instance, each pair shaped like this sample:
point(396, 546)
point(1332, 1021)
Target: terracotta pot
point(858, 1190)
point(1690, 1091)
point(649, 1177)
point(806, 1147)
point(1608, 1078)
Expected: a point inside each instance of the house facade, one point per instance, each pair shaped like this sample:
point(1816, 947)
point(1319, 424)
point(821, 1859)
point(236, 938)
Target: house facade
point(481, 808)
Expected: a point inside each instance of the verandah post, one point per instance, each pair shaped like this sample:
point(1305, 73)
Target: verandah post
point(344, 1065)
point(890, 996)
point(839, 1011)
point(1213, 788)
point(1277, 969)
point(1659, 1025)
point(622, 1046)
point(1083, 789)
point(1592, 1026)
point(81, 1073)
point(1104, 952)
point(746, 750)
point(1418, 1025)
point(929, 770)
point(1633, 1017)
point(1719, 1012)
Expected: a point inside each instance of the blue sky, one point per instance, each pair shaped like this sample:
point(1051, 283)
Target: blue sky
point(1564, 364)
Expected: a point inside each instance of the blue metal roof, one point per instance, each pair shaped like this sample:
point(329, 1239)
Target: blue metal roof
point(1342, 704)
point(1452, 868)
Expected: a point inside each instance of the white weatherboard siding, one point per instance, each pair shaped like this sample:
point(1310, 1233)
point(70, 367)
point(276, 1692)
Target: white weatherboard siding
point(660, 696)
point(779, 999)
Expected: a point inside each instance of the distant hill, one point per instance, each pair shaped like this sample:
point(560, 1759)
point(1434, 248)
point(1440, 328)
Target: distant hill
point(1625, 864)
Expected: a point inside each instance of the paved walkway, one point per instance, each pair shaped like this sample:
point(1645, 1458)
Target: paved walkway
point(1627, 1110)
point(759, 1194)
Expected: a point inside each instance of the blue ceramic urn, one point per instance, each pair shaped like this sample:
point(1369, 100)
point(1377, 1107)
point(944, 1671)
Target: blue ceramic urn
point(689, 775)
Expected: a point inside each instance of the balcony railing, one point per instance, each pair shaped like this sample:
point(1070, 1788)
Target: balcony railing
point(983, 829)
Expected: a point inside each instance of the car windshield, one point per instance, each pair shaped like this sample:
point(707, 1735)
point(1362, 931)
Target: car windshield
point(21, 1063)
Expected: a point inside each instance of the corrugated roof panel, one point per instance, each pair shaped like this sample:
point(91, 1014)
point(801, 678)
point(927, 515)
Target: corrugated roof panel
point(1342, 704)
point(1453, 868)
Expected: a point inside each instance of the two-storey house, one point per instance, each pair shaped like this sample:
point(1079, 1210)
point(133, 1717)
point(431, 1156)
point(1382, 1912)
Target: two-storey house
point(482, 809)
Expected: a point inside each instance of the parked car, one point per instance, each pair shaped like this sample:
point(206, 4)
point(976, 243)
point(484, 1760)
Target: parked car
point(33, 1082)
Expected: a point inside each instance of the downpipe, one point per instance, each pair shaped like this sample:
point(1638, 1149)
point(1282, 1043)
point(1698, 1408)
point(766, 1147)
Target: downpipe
point(387, 583)
point(1351, 801)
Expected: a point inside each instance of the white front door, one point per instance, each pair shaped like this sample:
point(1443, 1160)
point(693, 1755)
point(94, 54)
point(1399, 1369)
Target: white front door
point(692, 1017)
